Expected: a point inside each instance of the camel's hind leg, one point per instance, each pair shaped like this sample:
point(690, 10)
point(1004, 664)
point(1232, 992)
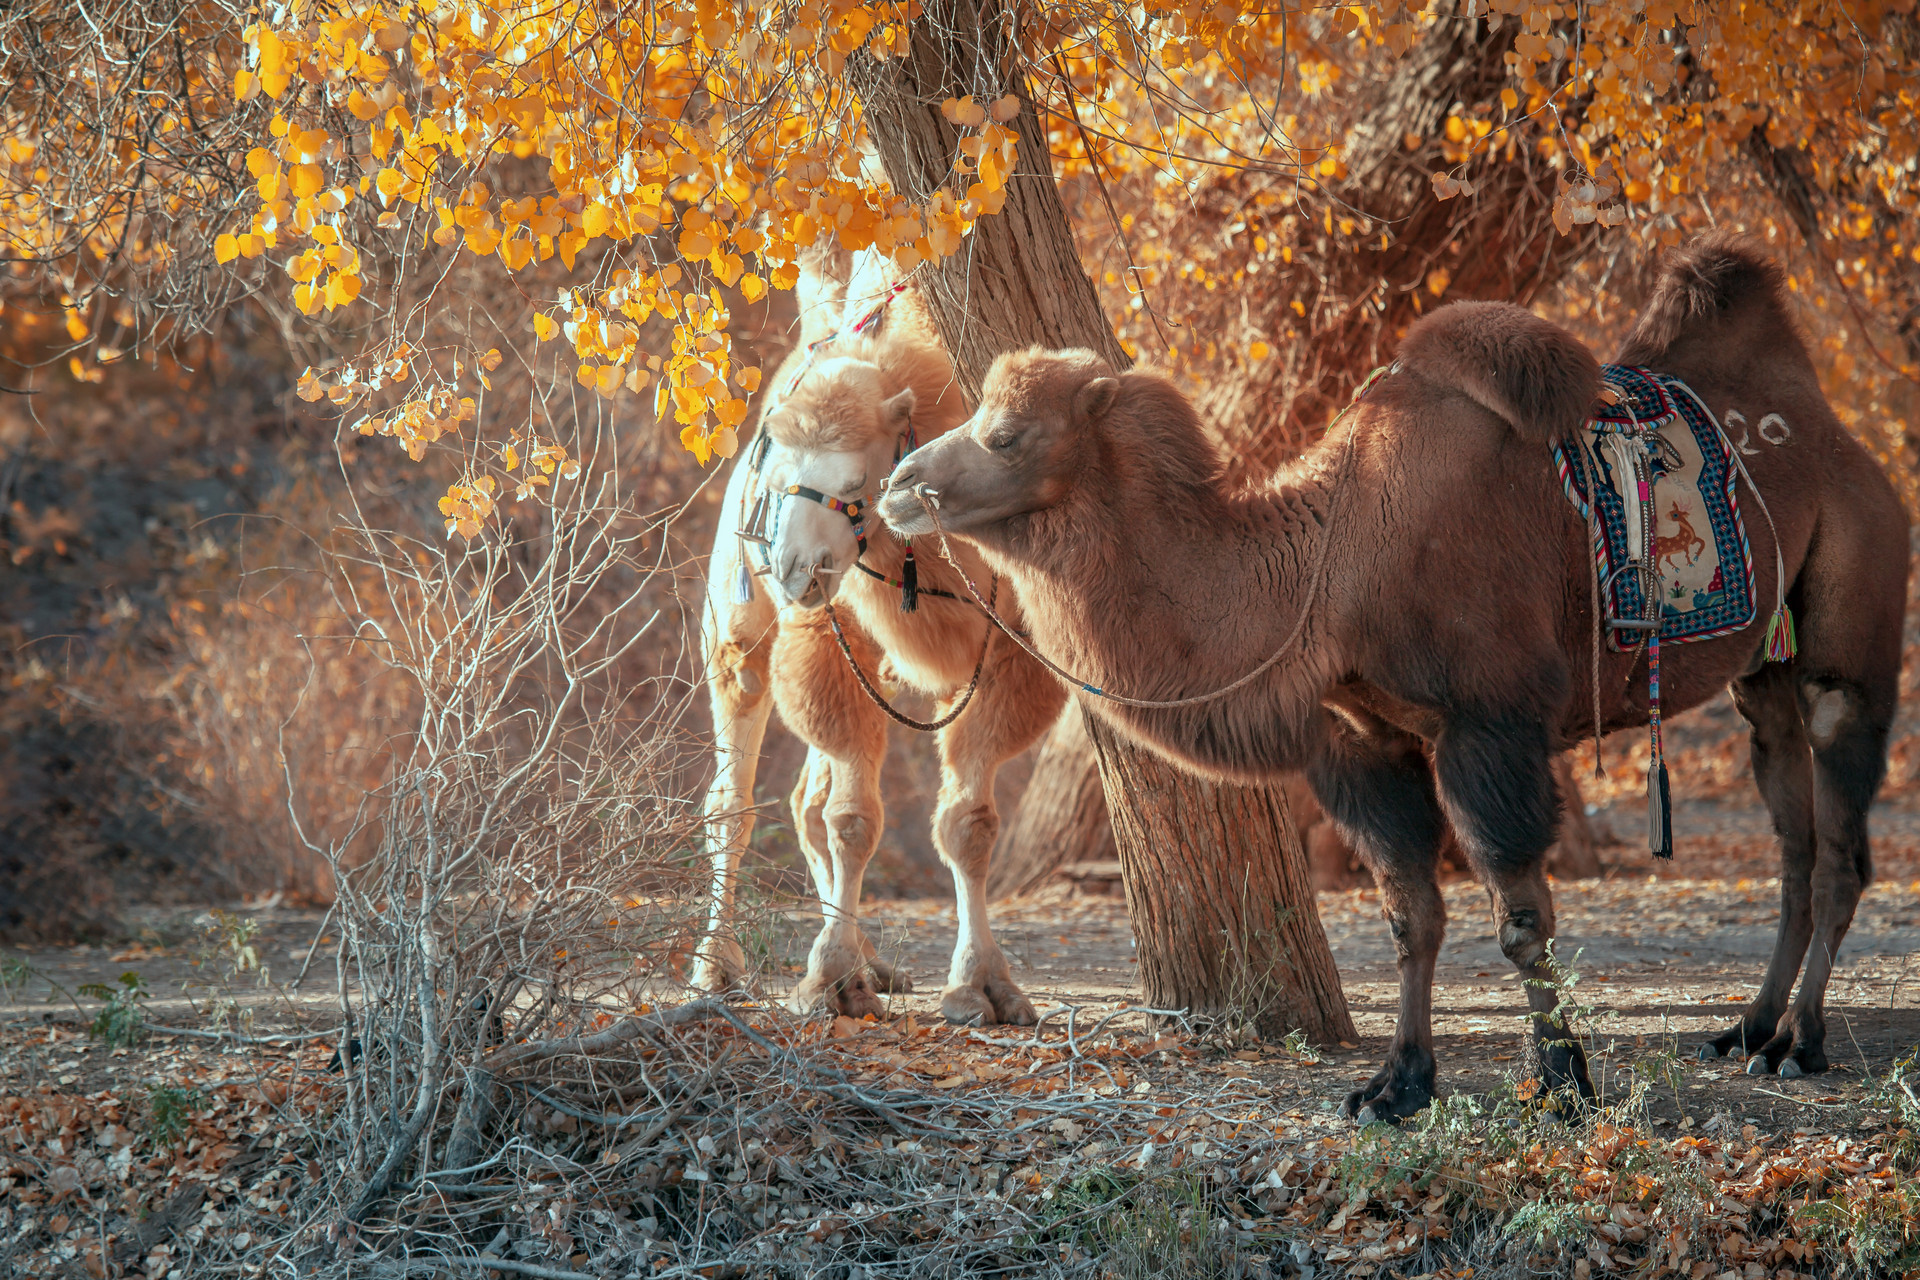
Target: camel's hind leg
point(1016, 702)
point(1377, 789)
point(1783, 770)
point(738, 645)
point(1847, 722)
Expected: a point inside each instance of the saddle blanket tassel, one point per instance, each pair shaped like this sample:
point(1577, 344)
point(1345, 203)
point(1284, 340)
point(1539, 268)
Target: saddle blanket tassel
point(743, 581)
point(1659, 802)
point(1782, 644)
point(909, 583)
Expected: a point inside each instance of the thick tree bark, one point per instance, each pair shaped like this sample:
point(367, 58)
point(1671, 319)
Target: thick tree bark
point(1234, 939)
point(1019, 281)
point(1055, 825)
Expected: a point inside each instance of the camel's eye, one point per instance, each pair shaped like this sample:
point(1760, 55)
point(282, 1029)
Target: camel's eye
point(1002, 440)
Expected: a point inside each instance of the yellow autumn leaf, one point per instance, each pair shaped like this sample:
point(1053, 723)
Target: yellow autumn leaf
point(307, 180)
point(545, 326)
point(226, 248)
point(342, 288)
point(596, 220)
point(1259, 351)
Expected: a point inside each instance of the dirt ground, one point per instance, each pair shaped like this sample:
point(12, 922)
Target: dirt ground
point(1667, 953)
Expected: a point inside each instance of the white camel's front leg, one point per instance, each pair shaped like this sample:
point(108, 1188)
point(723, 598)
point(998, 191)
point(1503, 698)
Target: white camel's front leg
point(1016, 703)
point(980, 986)
point(839, 826)
point(810, 797)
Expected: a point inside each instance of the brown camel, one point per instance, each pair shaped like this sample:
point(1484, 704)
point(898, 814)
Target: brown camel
point(1445, 657)
point(836, 433)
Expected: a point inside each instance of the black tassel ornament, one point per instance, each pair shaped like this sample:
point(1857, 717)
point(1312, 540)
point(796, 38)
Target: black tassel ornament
point(1659, 811)
point(1659, 794)
point(909, 583)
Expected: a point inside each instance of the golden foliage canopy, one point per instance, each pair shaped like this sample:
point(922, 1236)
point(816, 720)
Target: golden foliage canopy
point(662, 163)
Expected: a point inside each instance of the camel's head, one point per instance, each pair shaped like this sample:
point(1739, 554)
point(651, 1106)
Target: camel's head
point(835, 436)
point(1019, 452)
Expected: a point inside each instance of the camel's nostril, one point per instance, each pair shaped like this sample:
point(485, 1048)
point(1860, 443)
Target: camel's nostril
point(901, 480)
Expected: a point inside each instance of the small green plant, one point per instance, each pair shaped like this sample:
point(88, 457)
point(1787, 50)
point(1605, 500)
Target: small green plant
point(1143, 1227)
point(120, 1021)
point(1296, 1043)
point(170, 1112)
point(230, 938)
point(15, 971)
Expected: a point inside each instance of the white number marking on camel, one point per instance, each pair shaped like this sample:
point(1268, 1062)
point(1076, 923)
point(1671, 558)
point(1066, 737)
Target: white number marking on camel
point(838, 431)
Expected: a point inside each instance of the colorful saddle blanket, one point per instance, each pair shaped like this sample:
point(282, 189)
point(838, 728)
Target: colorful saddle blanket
point(1667, 518)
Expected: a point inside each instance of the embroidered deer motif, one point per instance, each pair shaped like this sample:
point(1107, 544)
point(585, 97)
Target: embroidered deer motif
point(1683, 541)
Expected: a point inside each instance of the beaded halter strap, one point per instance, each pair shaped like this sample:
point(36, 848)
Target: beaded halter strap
point(765, 504)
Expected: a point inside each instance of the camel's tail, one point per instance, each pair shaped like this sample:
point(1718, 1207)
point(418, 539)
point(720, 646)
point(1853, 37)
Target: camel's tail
point(1717, 278)
point(1534, 374)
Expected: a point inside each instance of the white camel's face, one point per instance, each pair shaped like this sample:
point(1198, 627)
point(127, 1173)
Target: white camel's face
point(813, 545)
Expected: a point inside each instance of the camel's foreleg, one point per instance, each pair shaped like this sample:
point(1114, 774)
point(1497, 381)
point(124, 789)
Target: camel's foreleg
point(811, 795)
point(1377, 789)
point(1783, 770)
point(737, 686)
point(838, 815)
point(1495, 777)
point(849, 825)
point(1016, 703)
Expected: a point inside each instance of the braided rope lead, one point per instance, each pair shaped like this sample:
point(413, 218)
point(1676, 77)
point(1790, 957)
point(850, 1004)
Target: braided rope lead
point(930, 501)
point(923, 726)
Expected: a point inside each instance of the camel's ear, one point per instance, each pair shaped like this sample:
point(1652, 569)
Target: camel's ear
point(896, 410)
point(1094, 399)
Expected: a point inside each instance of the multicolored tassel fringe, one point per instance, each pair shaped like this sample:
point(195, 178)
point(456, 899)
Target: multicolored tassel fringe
point(909, 583)
point(743, 582)
point(1782, 644)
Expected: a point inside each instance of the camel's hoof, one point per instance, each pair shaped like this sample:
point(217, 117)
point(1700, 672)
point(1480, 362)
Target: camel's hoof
point(966, 1006)
point(1708, 1053)
point(895, 982)
point(995, 1000)
point(1789, 1069)
point(823, 997)
point(1757, 1066)
point(1563, 1070)
point(719, 965)
point(1399, 1089)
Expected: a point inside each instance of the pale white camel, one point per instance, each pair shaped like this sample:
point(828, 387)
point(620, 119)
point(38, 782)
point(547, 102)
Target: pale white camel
point(841, 413)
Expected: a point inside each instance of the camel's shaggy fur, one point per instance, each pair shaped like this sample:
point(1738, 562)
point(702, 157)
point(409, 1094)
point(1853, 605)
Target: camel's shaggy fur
point(1447, 657)
point(837, 431)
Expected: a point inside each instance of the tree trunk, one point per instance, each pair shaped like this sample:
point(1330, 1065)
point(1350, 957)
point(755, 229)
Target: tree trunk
point(1236, 940)
point(1055, 824)
point(1355, 304)
point(1017, 282)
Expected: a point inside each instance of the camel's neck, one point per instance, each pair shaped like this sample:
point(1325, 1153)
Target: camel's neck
point(1159, 595)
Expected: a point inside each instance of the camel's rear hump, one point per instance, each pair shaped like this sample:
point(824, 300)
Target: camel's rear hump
point(1534, 374)
point(1719, 293)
